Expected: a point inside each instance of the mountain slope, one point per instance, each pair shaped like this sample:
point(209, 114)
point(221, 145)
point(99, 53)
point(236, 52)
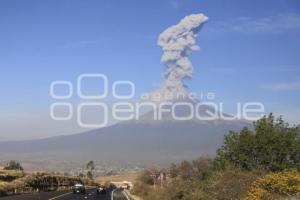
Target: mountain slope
point(144, 141)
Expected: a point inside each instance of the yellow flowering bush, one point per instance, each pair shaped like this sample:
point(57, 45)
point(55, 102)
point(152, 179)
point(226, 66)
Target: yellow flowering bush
point(277, 184)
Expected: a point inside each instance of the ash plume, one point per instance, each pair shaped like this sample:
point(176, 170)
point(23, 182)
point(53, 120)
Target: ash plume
point(177, 42)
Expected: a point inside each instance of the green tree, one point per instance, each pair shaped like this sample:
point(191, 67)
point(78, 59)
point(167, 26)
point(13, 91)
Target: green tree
point(89, 174)
point(273, 145)
point(147, 177)
point(13, 165)
point(185, 170)
point(202, 168)
point(81, 175)
point(90, 166)
point(173, 171)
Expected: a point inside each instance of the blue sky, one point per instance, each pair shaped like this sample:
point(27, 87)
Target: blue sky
point(249, 52)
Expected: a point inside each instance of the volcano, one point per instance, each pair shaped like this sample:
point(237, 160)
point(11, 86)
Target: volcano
point(140, 141)
point(146, 140)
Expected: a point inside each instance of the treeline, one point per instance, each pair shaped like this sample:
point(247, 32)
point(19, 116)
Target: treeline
point(263, 163)
point(13, 165)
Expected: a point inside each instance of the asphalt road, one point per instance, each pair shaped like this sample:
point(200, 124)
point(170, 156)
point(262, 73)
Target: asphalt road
point(91, 194)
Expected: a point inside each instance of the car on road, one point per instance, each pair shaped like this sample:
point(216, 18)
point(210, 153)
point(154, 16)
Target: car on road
point(124, 185)
point(101, 190)
point(78, 189)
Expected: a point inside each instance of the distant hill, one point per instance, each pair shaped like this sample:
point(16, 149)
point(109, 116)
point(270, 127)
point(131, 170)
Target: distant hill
point(144, 141)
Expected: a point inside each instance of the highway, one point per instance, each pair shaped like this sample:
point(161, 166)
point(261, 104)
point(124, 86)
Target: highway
point(91, 194)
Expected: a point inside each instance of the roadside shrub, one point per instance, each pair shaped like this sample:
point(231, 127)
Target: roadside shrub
point(198, 169)
point(141, 189)
point(10, 175)
point(240, 170)
point(273, 145)
point(228, 184)
point(3, 189)
point(280, 184)
point(233, 183)
point(146, 177)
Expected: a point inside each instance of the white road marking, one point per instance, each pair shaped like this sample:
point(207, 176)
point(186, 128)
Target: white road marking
point(60, 196)
point(126, 195)
point(123, 192)
point(112, 194)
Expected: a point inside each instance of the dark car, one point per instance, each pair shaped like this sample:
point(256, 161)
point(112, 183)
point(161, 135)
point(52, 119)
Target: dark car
point(78, 189)
point(101, 190)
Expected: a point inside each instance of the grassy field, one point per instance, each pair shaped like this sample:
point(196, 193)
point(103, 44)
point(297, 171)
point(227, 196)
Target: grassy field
point(118, 178)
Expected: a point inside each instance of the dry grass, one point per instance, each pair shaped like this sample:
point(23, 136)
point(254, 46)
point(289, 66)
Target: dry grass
point(117, 178)
point(10, 175)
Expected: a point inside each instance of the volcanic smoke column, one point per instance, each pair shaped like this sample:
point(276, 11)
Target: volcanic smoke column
point(177, 42)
